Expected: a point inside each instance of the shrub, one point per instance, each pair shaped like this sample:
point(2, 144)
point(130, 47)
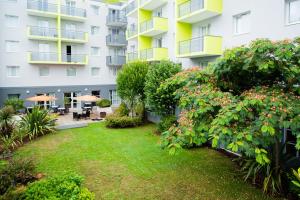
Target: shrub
point(37, 123)
point(6, 121)
point(122, 110)
point(296, 181)
point(17, 171)
point(166, 122)
point(66, 187)
point(115, 121)
point(16, 103)
point(158, 73)
point(139, 109)
point(103, 103)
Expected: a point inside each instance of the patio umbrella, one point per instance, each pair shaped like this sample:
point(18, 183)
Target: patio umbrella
point(41, 98)
point(87, 98)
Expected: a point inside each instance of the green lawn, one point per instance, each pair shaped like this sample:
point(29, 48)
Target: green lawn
point(129, 164)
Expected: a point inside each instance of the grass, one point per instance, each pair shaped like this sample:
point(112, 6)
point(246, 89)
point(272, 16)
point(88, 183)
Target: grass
point(129, 164)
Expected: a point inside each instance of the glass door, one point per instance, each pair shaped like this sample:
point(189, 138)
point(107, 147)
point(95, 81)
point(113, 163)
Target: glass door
point(43, 28)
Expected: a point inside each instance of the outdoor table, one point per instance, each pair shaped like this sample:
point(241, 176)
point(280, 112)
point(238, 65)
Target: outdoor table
point(61, 111)
point(54, 108)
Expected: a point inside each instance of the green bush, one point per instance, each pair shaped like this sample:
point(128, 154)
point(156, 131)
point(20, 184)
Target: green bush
point(66, 187)
point(103, 103)
point(16, 103)
point(122, 110)
point(37, 123)
point(166, 122)
point(18, 171)
point(115, 121)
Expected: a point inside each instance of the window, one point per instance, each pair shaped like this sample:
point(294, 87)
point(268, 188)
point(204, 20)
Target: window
point(95, 9)
point(203, 64)
point(13, 96)
point(11, 21)
point(95, 51)
point(71, 71)
point(293, 11)
point(158, 42)
point(12, 46)
point(157, 13)
point(95, 71)
point(114, 98)
point(44, 71)
point(13, 71)
point(95, 30)
point(242, 23)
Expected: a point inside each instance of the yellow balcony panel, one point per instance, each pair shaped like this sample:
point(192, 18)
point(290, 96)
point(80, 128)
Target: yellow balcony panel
point(193, 11)
point(154, 54)
point(42, 33)
point(155, 26)
point(42, 8)
point(152, 4)
point(53, 58)
point(131, 34)
point(74, 36)
point(73, 13)
point(131, 57)
point(200, 47)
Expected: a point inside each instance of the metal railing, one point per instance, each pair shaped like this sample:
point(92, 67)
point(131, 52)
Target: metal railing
point(115, 60)
point(146, 54)
point(40, 5)
point(75, 35)
point(44, 56)
point(142, 2)
point(131, 33)
point(74, 58)
point(43, 31)
point(73, 11)
point(116, 39)
point(189, 7)
point(130, 7)
point(112, 19)
point(132, 56)
point(191, 46)
point(146, 25)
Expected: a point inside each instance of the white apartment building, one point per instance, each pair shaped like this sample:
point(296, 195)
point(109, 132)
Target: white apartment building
point(63, 48)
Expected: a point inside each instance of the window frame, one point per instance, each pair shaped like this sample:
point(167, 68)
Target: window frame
point(17, 71)
point(16, 47)
point(71, 68)
point(287, 13)
point(8, 25)
point(95, 75)
point(235, 20)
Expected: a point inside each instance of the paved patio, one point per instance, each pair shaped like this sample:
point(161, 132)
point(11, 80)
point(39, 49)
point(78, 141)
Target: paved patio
point(66, 121)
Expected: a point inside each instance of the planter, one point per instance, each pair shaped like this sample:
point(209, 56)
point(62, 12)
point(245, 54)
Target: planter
point(102, 114)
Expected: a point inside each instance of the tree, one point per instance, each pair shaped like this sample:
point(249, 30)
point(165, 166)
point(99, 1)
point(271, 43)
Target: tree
point(158, 73)
point(131, 83)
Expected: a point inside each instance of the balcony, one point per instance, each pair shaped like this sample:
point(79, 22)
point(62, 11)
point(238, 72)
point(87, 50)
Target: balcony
point(73, 13)
point(42, 8)
point(55, 59)
point(151, 4)
point(42, 33)
point(131, 34)
point(131, 9)
point(74, 36)
point(155, 26)
point(154, 54)
point(200, 47)
point(115, 60)
point(193, 11)
point(132, 57)
point(116, 40)
point(116, 20)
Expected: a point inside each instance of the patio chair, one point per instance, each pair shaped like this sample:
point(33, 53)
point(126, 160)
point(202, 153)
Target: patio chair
point(76, 116)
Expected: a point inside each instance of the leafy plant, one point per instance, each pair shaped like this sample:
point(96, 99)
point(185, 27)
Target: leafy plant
point(122, 110)
point(65, 187)
point(103, 103)
point(37, 123)
point(7, 124)
point(166, 122)
point(115, 121)
point(296, 180)
point(158, 73)
point(131, 83)
point(15, 103)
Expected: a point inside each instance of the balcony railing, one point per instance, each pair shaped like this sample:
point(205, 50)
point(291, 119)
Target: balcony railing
point(189, 7)
point(131, 33)
point(130, 7)
point(40, 5)
point(116, 40)
point(191, 46)
point(43, 31)
point(115, 60)
point(44, 56)
point(73, 35)
point(72, 11)
point(146, 25)
point(146, 54)
point(73, 58)
point(116, 19)
point(132, 56)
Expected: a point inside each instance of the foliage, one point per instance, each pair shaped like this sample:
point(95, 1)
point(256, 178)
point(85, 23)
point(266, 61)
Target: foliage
point(158, 73)
point(262, 63)
point(64, 187)
point(17, 171)
point(122, 110)
point(7, 124)
point(131, 83)
point(37, 123)
point(296, 180)
point(16, 103)
point(115, 121)
point(139, 109)
point(103, 103)
point(166, 122)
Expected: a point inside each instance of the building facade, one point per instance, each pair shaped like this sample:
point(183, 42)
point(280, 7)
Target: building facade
point(62, 48)
point(196, 32)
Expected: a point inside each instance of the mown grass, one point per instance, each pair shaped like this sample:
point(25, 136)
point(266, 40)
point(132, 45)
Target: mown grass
point(129, 164)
